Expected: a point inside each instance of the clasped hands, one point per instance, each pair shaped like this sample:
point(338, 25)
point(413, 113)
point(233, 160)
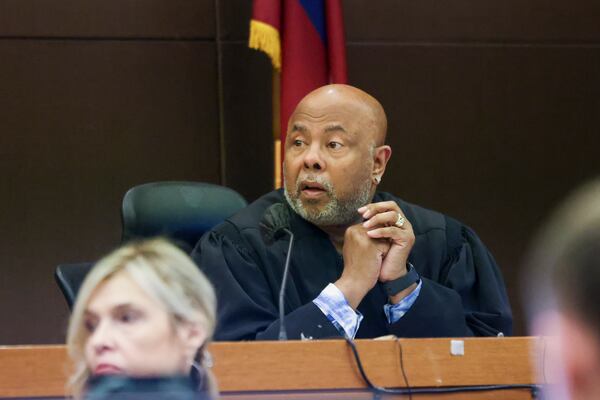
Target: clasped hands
point(375, 250)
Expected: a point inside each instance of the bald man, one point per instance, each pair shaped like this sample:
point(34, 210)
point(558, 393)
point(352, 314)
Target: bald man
point(365, 263)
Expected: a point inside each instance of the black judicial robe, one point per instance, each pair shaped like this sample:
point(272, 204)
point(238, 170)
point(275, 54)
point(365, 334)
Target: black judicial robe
point(463, 292)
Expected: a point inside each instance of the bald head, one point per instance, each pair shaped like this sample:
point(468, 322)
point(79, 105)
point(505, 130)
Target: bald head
point(335, 140)
point(364, 106)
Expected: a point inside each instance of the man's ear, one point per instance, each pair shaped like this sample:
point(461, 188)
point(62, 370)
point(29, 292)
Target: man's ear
point(381, 156)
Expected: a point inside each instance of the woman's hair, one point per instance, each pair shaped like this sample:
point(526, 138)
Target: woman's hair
point(164, 272)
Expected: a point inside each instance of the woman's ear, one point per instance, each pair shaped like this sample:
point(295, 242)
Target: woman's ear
point(192, 336)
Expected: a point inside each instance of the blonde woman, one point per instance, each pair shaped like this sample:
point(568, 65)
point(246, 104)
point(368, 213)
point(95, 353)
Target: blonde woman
point(145, 311)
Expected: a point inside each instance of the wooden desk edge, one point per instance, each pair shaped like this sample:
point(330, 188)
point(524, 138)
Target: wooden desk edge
point(29, 371)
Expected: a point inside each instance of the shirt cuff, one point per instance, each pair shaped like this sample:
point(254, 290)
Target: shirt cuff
point(394, 312)
point(333, 304)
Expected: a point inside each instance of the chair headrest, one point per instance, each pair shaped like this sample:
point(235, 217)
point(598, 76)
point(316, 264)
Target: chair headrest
point(182, 211)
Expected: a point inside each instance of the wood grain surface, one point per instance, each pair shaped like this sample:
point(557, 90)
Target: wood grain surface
point(297, 367)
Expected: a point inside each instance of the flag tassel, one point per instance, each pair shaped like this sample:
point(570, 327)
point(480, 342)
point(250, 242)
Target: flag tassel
point(264, 37)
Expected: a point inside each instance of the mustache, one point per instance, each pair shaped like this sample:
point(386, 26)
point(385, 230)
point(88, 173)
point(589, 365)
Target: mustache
point(314, 179)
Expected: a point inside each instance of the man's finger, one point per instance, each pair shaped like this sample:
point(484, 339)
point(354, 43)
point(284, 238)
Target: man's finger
point(390, 232)
point(382, 219)
point(375, 208)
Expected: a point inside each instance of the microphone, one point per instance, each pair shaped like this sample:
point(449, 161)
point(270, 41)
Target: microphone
point(276, 223)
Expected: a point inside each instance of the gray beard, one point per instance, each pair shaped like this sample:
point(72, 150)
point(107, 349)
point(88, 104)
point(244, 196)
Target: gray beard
point(335, 212)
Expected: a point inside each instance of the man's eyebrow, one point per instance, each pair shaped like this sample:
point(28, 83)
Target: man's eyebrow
point(335, 128)
point(298, 128)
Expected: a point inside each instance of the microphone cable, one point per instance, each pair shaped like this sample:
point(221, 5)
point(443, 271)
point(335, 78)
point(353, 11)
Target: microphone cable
point(276, 220)
point(535, 389)
point(282, 330)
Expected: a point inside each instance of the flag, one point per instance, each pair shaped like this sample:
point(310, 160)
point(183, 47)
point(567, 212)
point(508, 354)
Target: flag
point(305, 41)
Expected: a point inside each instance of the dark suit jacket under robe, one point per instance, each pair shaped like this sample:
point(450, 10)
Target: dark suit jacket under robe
point(463, 292)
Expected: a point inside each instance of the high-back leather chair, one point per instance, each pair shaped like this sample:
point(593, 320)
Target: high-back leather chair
point(180, 211)
point(69, 278)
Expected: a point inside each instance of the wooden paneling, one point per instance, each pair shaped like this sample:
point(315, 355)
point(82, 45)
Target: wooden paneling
point(463, 21)
point(235, 20)
point(247, 101)
point(247, 120)
point(108, 18)
point(492, 135)
point(492, 107)
point(469, 21)
point(80, 123)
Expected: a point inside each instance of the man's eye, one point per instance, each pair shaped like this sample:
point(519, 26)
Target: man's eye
point(334, 145)
point(297, 143)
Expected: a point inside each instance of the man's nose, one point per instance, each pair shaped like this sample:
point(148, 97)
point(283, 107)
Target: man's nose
point(313, 158)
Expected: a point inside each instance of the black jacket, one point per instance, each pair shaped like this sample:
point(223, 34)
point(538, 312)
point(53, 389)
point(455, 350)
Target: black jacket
point(462, 294)
point(120, 387)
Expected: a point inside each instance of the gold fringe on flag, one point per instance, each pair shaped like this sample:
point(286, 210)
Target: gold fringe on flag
point(266, 38)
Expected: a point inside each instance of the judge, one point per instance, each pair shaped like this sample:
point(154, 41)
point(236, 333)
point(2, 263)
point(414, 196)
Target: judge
point(365, 263)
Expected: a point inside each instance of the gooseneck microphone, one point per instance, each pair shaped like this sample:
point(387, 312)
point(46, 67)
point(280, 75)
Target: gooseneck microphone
point(275, 223)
